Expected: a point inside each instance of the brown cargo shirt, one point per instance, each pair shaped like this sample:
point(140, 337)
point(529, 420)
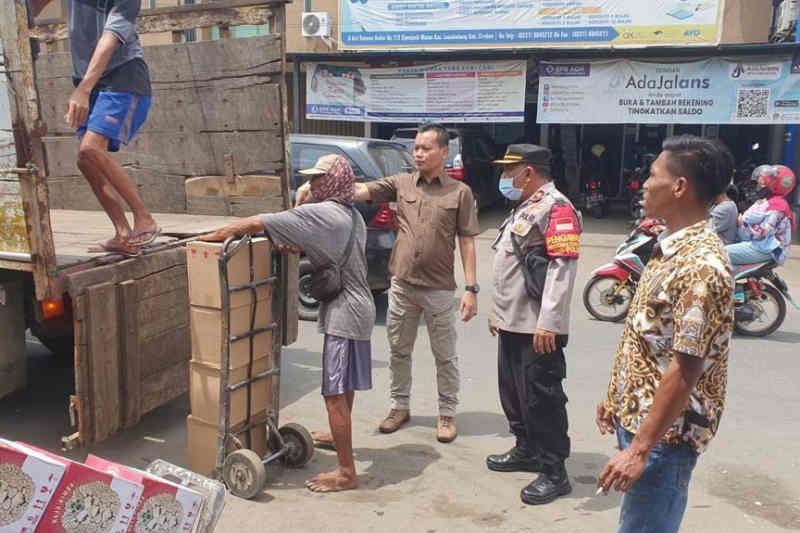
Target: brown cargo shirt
point(430, 215)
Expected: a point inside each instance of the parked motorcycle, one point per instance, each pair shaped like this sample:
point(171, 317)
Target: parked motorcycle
point(634, 183)
point(610, 289)
point(595, 173)
point(762, 308)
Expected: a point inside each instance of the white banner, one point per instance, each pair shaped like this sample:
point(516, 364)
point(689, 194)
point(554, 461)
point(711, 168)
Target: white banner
point(763, 90)
point(380, 24)
point(491, 91)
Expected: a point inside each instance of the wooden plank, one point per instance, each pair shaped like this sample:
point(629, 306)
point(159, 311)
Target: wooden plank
point(22, 266)
point(131, 354)
point(179, 18)
point(153, 309)
point(135, 268)
point(186, 154)
point(165, 281)
point(160, 388)
point(170, 318)
point(220, 105)
point(103, 341)
point(164, 351)
point(83, 391)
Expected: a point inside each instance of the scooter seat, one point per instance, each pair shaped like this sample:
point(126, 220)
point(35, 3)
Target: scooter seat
point(738, 270)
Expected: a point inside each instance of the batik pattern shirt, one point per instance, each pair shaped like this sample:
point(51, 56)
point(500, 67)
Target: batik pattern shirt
point(683, 304)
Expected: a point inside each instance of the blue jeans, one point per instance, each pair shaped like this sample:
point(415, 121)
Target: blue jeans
point(656, 502)
point(743, 253)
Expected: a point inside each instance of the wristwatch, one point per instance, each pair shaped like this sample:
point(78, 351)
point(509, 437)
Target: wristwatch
point(475, 289)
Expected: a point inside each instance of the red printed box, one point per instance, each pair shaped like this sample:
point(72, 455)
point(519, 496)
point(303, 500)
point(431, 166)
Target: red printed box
point(28, 481)
point(164, 507)
point(88, 500)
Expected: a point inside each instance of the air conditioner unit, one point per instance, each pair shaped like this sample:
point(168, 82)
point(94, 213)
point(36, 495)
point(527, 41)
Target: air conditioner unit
point(316, 24)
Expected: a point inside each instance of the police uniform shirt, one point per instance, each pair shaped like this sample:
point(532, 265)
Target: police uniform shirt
point(533, 224)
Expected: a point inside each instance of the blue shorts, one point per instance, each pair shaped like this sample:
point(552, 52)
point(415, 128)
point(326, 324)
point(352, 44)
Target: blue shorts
point(115, 115)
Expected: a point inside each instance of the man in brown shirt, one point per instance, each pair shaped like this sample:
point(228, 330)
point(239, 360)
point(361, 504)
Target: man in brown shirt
point(434, 211)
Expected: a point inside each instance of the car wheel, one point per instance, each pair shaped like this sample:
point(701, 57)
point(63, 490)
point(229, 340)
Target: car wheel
point(307, 306)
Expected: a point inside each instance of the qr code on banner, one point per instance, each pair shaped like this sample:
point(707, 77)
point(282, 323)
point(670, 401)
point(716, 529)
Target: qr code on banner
point(752, 103)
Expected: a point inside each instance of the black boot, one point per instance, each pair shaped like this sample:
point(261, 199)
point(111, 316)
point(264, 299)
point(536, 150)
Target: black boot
point(548, 486)
point(514, 460)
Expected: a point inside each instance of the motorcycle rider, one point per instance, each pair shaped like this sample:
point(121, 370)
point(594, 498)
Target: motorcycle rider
point(725, 216)
point(765, 229)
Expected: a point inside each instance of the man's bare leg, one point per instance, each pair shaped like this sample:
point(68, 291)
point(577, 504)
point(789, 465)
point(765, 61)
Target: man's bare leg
point(325, 438)
point(344, 477)
point(99, 167)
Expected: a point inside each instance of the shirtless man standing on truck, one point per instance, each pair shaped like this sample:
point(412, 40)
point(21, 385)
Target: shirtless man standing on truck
point(107, 107)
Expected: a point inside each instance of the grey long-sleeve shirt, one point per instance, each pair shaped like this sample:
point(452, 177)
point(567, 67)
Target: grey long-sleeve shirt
point(514, 310)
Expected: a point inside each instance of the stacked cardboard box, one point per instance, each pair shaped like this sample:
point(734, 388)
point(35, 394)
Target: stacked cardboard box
point(164, 506)
point(248, 311)
point(86, 499)
point(28, 481)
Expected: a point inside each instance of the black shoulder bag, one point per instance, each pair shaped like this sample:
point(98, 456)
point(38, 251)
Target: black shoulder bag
point(326, 281)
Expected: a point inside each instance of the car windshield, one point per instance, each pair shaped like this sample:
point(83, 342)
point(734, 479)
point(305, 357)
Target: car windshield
point(390, 159)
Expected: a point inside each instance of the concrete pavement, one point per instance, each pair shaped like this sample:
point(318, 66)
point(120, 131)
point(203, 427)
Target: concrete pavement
point(747, 481)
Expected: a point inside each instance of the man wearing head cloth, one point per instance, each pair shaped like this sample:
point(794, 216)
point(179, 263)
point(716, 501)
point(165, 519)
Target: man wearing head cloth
point(329, 230)
point(531, 319)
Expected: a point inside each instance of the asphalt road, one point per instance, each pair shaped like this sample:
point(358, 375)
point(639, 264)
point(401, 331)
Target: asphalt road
point(747, 480)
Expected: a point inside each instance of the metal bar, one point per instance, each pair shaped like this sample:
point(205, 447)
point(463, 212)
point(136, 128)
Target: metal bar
point(253, 332)
point(254, 284)
point(225, 408)
point(790, 139)
point(277, 455)
point(258, 377)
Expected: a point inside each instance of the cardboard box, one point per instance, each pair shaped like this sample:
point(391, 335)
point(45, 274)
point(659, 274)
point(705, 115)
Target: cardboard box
point(202, 443)
point(28, 481)
point(206, 332)
point(87, 499)
point(204, 394)
point(164, 506)
point(202, 264)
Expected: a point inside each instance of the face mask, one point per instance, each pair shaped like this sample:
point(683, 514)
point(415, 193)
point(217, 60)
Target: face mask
point(507, 189)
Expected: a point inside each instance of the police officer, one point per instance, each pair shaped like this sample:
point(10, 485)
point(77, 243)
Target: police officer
point(531, 320)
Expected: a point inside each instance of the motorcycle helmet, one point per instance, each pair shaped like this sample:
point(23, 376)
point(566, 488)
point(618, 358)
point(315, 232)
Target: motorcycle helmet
point(777, 180)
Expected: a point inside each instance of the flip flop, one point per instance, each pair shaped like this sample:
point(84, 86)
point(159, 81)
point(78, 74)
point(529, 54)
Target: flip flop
point(146, 237)
point(323, 444)
point(113, 247)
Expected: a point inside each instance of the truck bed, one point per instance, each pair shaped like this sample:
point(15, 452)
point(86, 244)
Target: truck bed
point(75, 231)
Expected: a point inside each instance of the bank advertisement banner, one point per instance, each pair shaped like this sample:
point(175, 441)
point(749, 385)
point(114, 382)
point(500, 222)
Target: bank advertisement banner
point(711, 91)
point(381, 24)
point(467, 91)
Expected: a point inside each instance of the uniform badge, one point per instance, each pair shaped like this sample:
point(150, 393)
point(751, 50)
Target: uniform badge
point(521, 227)
point(562, 238)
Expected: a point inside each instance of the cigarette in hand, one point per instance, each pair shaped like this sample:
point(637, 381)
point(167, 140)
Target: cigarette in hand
point(599, 491)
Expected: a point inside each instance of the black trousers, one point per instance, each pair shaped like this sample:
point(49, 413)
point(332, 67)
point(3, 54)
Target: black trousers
point(533, 397)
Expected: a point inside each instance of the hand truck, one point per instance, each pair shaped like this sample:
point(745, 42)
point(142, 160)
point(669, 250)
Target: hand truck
point(243, 471)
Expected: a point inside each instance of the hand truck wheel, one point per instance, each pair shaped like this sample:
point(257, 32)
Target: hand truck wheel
point(244, 474)
point(299, 443)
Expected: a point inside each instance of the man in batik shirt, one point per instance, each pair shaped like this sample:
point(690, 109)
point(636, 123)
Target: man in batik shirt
point(667, 389)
